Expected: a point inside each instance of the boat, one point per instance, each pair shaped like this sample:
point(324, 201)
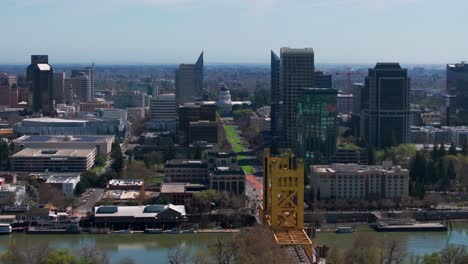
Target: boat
point(5, 229)
point(173, 231)
point(153, 231)
point(409, 227)
point(344, 230)
point(125, 231)
point(189, 231)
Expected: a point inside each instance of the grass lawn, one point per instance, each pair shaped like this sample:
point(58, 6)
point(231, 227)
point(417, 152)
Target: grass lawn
point(233, 138)
point(247, 169)
point(155, 179)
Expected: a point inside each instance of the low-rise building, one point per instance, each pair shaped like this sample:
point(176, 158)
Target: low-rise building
point(221, 159)
point(353, 181)
point(93, 106)
point(136, 113)
point(194, 171)
point(228, 179)
point(53, 160)
point(103, 144)
point(140, 217)
point(126, 184)
point(12, 194)
point(349, 155)
point(180, 192)
point(64, 182)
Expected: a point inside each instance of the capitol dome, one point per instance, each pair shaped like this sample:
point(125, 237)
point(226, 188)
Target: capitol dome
point(224, 102)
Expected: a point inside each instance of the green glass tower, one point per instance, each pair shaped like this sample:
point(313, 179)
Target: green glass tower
point(316, 125)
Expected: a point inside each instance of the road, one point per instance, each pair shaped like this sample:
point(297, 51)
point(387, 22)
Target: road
point(89, 198)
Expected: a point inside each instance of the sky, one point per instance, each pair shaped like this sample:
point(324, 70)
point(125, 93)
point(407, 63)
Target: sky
point(233, 31)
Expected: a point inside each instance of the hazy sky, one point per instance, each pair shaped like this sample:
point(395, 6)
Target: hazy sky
point(176, 31)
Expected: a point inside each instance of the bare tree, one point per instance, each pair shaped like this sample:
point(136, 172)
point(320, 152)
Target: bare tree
point(391, 252)
point(224, 251)
point(28, 254)
point(94, 256)
point(179, 256)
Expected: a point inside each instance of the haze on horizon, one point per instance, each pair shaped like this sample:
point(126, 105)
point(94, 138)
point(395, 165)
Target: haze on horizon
point(233, 31)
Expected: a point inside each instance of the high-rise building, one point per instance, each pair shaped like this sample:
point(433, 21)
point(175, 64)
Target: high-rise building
point(78, 87)
point(163, 111)
point(128, 99)
point(59, 87)
point(189, 81)
point(275, 94)
point(41, 84)
point(457, 93)
point(322, 80)
point(9, 92)
point(189, 113)
point(295, 72)
point(344, 103)
point(385, 105)
point(316, 125)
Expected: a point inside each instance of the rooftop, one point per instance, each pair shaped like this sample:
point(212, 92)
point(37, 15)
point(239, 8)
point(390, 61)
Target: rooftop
point(64, 139)
point(174, 187)
point(45, 153)
point(138, 211)
point(63, 179)
point(125, 182)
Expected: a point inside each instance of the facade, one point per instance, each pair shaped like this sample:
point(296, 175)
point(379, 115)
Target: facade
point(228, 179)
point(93, 106)
point(180, 192)
point(322, 80)
point(9, 92)
point(343, 155)
point(103, 144)
point(357, 93)
point(163, 111)
point(193, 171)
point(189, 81)
point(12, 195)
point(316, 125)
point(59, 87)
point(53, 160)
point(275, 93)
point(203, 130)
point(40, 80)
point(344, 103)
point(191, 112)
point(385, 103)
point(64, 182)
point(128, 99)
point(457, 91)
point(352, 181)
point(136, 114)
point(296, 72)
point(78, 87)
point(74, 127)
point(221, 159)
point(140, 217)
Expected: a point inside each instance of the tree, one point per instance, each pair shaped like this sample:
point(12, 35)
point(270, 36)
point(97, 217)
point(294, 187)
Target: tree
point(4, 154)
point(336, 256)
point(453, 150)
point(442, 151)
point(465, 148)
point(51, 195)
point(363, 251)
point(451, 174)
point(62, 256)
point(453, 254)
point(117, 158)
point(100, 160)
point(433, 258)
point(370, 154)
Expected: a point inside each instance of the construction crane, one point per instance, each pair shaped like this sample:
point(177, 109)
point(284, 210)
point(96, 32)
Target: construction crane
point(348, 73)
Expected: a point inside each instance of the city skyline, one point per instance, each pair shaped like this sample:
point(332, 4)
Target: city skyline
point(157, 31)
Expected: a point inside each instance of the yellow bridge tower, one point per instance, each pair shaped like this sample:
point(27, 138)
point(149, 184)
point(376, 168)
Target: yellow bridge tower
point(283, 203)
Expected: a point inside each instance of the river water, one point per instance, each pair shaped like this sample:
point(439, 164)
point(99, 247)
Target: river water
point(415, 243)
point(146, 248)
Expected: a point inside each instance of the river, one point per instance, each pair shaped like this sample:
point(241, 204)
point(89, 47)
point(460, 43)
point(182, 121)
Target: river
point(145, 248)
point(415, 243)
point(141, 248)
